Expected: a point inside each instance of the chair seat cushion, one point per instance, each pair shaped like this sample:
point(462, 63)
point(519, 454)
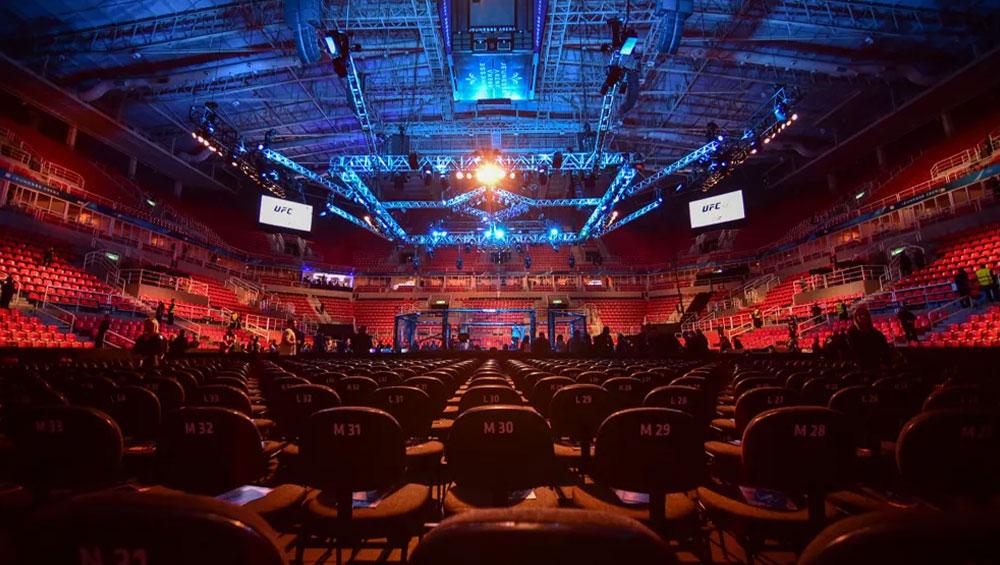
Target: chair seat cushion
point(442, 426)
point(279, 506)
point(723, 449)
point(726, 410)
point(461, 499)
point(567, 451)
point(679, 506)
point(724, 424)
point(719, 503)
point(424, 453)
point(402, 508)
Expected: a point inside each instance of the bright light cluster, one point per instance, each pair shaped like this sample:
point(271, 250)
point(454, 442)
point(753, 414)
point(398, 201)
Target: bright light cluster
point(490, 173)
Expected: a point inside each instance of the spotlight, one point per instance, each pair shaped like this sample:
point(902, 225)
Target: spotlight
point(459, 175)
point(553, 232)
point(511, 175)
point(499, 233)
point(489, 173)
point(753, 151)
point(767, 140)
point(795, 117)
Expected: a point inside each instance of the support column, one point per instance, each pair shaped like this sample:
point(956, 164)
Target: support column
point(4, 192)
point(133, 164)
point(71, 136)
point(948, 124)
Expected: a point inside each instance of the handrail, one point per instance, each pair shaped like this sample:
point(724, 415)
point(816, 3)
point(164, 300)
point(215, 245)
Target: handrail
point(839, 277)
point(109, 343)
point(949, 307)
point(155, 278)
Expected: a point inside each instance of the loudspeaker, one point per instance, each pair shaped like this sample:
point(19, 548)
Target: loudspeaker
point(414, 161)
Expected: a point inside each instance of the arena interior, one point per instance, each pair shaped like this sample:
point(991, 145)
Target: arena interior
point(499, 281)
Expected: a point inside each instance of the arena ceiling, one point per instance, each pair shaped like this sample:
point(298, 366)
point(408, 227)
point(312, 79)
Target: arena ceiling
point(147, 63)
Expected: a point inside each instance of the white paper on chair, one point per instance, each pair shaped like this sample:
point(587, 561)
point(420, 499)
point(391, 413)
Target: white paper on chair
point(520, 495)
point(244, 494)
point(629, 497)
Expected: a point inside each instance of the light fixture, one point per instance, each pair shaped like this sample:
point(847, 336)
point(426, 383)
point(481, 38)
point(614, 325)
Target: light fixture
point(489, 173)
point(459, 175)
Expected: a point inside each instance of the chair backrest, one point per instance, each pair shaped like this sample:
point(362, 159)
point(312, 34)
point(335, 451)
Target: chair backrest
point(752, 383)
point(292, 407)
point(209, 450)
point(626, 392)
point(576, 411)
point(649, 450)
point(66, 447)
point(678, 397)
point(500, 448)
point(168, 391)
point(410, 406)
point(540, 537)
point(802, 449)
point(817, 392)
point(91, 391)
point(591, 377)
point(951, 451)
point(387, 378)
point(137, 412)
point(223, 396)
point(356, 391)
point(544, 389)
point(795, 381)
point(915, 537)
point(435, 388)
point(353, 448)
point(148, 527)
point(275, 386)
point(968, 397)
point(488, 395)
point(755, 401)
point(489, 380)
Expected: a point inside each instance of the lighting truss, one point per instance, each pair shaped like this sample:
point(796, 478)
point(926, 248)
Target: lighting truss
point(483, 239)
point(574, 161)
point(678, 165)
point(360, 106)
point(633, 216)
point(503, 195)
point(611, 197)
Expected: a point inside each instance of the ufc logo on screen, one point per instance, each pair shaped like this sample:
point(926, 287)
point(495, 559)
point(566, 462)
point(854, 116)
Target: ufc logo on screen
point(712, 206)
point(283, 210)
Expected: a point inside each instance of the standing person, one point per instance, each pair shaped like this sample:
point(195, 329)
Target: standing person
point(160, 310)
point(757, 318)
point(842, 311)
point(255, 346)
point(575, 344)
point(724, 343)
point(361, 342)
point(102, 329)
point(289, 345)
point(170, 312)
point(987, 282)
point(604, 345)
point(151, 345)
point(50, 255)
point(963, 287)
point(228, 343)
point(541, 346)
point(179, 345)
point(560, 344)
point(908, 321)
point(815, 311)
point(7, 289)
point(867, 345)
